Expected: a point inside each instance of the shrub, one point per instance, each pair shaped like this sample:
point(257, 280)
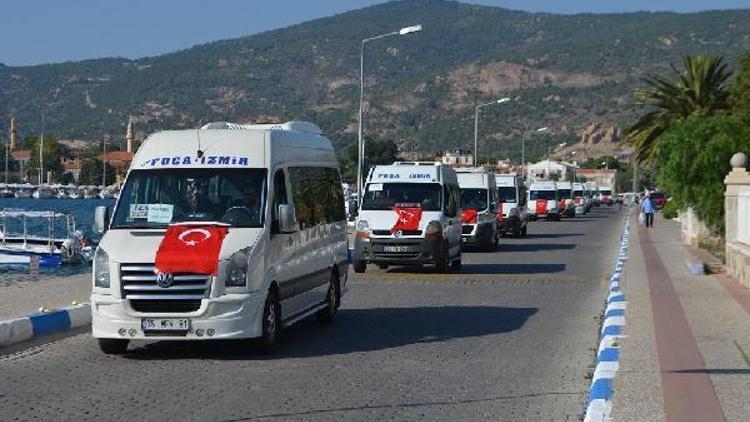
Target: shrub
point(670, 210)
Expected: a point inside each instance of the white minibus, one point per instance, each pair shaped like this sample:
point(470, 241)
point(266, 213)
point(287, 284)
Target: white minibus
point(225, 232)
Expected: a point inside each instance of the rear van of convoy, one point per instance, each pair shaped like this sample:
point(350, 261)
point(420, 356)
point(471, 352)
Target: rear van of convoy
point(511, 195)
point(565, 199)
point(543, 201)
point(580, 199)
point(410, 214)
point(226, 232)
point(478, 207)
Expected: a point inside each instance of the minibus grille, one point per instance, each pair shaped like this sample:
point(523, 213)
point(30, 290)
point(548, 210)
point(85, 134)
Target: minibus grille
point(403, 232)
point(184, 293)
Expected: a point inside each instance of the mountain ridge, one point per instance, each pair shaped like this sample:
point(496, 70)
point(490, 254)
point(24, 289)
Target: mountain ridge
point(573, 70)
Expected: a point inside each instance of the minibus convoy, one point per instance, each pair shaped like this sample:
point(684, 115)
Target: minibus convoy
point(479, 207)
point(410, 214)
point(225, 232)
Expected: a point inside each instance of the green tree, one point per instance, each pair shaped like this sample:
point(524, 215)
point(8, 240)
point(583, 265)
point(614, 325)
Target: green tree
point(693, 159)
point(53, 153)
point(699, 88)
point(91, 172)
point(740, 94)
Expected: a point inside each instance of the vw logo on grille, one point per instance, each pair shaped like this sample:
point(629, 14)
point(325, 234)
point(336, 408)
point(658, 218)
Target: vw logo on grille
point(397, 234)
point(164, 279)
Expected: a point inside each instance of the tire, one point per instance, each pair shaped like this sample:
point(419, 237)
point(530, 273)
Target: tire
point(333, 299)
point(269, 341)
point(523, 231)
point(359, 266)
point(442, 263)
point(113, 346)
point(456, 265)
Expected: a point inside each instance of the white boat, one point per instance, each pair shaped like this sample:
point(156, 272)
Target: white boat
point(52, 245)
point(23, 193)
point(61, 194)
point(43, 192)
point(90, 192)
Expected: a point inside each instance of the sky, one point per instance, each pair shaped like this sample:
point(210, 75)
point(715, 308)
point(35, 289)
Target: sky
point(52, 31)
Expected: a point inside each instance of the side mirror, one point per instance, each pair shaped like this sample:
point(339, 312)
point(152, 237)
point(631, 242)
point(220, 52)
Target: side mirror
point(286, 219)
point(101, 220)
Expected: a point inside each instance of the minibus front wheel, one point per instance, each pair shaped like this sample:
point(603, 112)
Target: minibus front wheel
point(327, 314)
point(113, 346)
point(359, 266)
point(271, 323)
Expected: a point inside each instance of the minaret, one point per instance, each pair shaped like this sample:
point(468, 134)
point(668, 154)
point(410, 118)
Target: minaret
point(129, 135)
point(13, 133)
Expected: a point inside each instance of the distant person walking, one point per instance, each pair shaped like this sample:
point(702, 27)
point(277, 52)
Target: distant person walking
point(648, 209)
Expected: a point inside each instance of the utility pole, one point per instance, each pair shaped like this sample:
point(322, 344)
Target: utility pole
point(635, 176)
point(41, 154)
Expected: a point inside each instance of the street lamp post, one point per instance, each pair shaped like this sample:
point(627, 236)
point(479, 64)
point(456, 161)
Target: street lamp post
point(523, 146)
point(360, 140)
point(476, 124)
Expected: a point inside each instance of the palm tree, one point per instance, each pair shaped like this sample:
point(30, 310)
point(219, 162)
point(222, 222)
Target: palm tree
point(700, 88)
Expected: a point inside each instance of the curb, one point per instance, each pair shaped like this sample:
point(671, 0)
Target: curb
point(599, 403)
point(37, 324)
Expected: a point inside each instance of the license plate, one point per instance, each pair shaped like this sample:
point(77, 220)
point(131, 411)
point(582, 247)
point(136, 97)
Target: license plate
point(397, 248)
point(161, 324)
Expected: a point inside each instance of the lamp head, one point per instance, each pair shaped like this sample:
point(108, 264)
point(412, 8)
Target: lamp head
point(410, 29)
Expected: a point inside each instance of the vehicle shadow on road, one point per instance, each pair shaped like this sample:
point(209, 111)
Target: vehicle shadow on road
point(512, 268)
point(550, 235)
point(534, 247)
point(357, 330)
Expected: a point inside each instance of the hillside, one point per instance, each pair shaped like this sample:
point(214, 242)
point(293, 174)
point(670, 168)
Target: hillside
point(568, 71)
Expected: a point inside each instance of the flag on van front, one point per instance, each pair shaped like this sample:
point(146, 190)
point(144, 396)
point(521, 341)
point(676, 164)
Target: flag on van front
point(469, 216)
point(408, 218)
point(541, 206)
point(191, 248)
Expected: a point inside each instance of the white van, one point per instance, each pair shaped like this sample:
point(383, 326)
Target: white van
point(410, 214)
point(274, 190)
point(566, 205)
point(478, 207)
point(580, 199)
point(543, 201)
point(593, 193)
point(511, 196)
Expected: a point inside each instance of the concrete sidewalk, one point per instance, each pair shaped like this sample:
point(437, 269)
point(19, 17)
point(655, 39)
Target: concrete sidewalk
point(685, 357)
point(22, 294)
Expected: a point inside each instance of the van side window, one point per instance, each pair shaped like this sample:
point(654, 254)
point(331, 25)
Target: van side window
point(279, 197)
point(318, 195)
point(451, 198)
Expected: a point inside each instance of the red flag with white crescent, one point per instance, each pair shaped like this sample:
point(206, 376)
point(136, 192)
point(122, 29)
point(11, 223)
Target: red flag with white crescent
point(191, 248)
point(541, 206)
point(408, 218)
point(469, 216)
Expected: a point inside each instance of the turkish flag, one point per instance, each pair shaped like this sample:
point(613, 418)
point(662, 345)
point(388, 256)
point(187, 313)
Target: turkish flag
point(191, 248)
point(469, 216)
point(541, 206)
point(408, 218)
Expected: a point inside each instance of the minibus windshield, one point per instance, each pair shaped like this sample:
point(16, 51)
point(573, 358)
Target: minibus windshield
point(541, 194)
point(475, 199)
point(384, 196)
point(605, 192)
point(506, 194)
point(564, 193)
point(578, 193)
point(156, 198)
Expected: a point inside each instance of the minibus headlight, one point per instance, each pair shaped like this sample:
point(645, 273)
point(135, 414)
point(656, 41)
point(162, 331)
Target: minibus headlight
point(363, 230)
point(237, 270)
point(101, 268)
point(434, 230)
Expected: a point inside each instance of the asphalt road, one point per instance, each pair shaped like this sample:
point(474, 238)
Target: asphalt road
point(509, 338)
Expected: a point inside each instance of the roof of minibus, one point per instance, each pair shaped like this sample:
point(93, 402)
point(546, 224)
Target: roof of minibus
point(411, 173)
point(543, 186)
point(564, 185)
point(506, 180)
point(230, 146)
point(475, 178)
